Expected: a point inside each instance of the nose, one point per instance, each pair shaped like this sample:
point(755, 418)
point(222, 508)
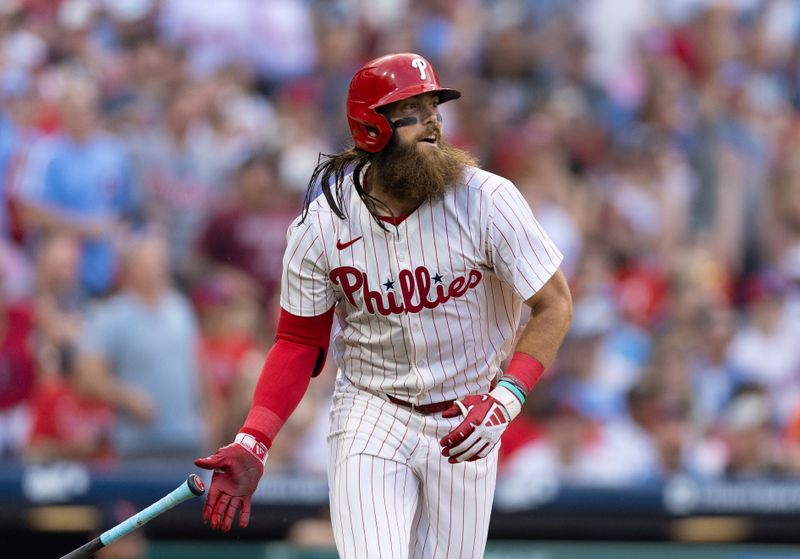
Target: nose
point(429, 114)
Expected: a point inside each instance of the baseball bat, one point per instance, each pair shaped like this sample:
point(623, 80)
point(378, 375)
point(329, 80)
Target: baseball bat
point(193, 487)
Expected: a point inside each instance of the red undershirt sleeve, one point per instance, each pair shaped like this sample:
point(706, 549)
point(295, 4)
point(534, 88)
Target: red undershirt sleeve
point(301, 344)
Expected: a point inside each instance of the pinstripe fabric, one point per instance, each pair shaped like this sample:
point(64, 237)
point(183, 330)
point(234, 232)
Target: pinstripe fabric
point(477, 255)
point(392, 493)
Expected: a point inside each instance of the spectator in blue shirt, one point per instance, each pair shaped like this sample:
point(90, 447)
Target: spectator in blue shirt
point(138, 353)
point(81, 180)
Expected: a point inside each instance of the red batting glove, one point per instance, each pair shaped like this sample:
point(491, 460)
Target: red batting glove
point(475, 437)
point(238, 468)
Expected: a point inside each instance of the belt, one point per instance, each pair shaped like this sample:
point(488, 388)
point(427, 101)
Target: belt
point(424, 409)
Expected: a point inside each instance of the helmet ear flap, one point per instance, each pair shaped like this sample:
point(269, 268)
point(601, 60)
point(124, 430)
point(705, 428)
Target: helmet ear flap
point(370, 131)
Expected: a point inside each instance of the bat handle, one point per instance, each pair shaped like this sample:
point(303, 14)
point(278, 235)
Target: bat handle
point(86, 550)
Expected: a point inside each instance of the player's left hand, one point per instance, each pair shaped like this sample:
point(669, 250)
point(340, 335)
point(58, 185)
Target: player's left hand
point(484, 423)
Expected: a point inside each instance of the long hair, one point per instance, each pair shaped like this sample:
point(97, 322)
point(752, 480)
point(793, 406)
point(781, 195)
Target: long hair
point(329, 176)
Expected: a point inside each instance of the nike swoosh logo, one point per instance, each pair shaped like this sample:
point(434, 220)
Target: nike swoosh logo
point(341, 246)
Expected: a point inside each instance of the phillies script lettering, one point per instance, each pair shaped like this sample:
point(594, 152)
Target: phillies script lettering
point(415, 290)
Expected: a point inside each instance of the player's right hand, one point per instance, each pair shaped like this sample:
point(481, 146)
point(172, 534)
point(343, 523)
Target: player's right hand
point(237, 468)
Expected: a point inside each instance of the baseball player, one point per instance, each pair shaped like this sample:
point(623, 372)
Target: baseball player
point(419, 262)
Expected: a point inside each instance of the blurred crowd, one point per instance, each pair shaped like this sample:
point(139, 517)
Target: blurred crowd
point(153, 153)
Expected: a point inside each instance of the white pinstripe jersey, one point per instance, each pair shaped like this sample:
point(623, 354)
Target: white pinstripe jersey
point(427, 310)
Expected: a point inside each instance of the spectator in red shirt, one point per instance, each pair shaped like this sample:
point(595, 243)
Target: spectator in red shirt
point(68, 426)
point(245, 240)
point(17, 375)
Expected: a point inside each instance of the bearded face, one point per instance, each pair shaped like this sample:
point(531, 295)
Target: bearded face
point(419, 170)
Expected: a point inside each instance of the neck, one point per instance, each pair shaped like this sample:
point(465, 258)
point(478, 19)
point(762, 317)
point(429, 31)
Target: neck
point(149, 295)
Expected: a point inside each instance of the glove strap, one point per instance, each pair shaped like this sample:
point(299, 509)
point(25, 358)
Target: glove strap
point(253, 446)
point(508, 400)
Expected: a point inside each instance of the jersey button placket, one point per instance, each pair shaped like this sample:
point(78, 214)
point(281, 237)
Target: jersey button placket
point(413, 320)
point(416, 327)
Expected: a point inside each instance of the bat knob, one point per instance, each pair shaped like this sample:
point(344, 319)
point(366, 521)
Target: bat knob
point(196, 484)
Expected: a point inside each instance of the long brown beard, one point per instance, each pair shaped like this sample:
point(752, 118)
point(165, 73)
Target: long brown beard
point(407, 173)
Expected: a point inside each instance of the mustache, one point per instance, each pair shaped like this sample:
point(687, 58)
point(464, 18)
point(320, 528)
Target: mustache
point(435, 129)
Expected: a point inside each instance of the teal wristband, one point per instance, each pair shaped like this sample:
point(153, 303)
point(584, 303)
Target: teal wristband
point(514, 389)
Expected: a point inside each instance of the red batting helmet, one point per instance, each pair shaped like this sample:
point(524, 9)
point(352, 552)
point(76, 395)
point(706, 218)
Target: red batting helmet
point(383, 81)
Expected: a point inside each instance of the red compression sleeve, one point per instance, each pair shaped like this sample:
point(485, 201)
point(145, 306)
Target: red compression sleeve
point(299, 352)
point(525, 369)
point(283, 381)
point(314, 331)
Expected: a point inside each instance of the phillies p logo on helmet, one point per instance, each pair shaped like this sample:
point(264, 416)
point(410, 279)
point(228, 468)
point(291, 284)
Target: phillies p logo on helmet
point(420, 64)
